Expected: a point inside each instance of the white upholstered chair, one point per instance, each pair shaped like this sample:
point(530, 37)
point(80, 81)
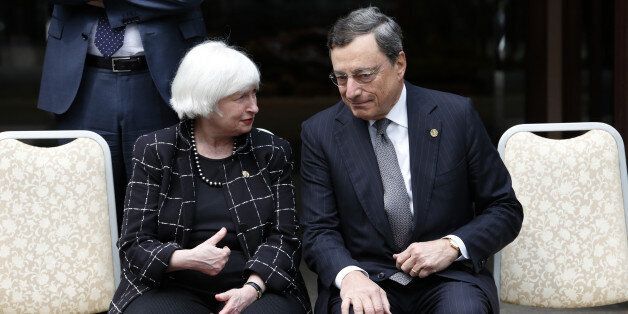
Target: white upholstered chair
point(573, 247)
point(57, 224)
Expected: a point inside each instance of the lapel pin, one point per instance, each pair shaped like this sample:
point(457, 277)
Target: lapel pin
point(434, 132)
point(245, 174)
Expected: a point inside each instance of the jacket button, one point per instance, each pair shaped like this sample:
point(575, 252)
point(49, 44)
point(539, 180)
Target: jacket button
point(84, 36)
point(380, 276)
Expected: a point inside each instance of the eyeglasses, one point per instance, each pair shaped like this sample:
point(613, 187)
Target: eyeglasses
point(361, 76)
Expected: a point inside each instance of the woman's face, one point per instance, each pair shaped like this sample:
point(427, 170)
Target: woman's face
point(235, 113)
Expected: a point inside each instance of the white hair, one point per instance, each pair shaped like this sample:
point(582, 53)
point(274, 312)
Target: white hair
point(208, 73)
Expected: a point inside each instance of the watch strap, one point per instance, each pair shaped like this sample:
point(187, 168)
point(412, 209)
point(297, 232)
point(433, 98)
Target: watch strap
point(256, 287)
point(453, 244)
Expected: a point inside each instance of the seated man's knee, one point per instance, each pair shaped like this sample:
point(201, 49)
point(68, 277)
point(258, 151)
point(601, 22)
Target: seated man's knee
point(462, 297)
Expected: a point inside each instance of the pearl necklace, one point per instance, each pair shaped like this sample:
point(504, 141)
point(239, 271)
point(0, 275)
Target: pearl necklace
point(217, 184)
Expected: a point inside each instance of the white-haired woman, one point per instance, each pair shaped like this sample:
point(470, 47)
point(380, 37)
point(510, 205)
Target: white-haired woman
point(209, 219)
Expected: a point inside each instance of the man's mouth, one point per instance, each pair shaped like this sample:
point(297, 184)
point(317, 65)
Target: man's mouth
point(359, 103)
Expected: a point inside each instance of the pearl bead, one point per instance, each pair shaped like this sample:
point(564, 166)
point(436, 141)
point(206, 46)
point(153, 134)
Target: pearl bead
point(198, 164)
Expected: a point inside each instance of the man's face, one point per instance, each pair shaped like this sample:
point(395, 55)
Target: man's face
point(359, 62)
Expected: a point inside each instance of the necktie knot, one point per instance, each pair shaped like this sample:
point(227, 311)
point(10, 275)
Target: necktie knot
point(381, 125)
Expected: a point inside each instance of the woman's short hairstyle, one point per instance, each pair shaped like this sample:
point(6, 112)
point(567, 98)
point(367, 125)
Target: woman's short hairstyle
point(208, 73)
point(364, 21)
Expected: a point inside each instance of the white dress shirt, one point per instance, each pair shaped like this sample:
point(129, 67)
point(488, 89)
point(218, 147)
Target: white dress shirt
point(397, 131)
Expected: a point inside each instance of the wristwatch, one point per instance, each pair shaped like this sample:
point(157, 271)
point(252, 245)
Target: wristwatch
point(453, 244)
point(256, 287)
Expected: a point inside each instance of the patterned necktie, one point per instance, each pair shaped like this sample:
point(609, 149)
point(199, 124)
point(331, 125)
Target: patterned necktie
point(396, 198)
point(108, 40)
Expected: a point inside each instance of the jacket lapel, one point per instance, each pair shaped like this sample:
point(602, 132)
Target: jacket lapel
point(353, 139)
point(184, 166)
point(424, 132)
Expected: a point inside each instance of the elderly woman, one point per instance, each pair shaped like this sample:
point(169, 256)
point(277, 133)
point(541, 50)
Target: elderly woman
point(209, 219)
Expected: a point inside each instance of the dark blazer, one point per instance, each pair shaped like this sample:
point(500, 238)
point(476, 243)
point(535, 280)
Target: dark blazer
point(160, 203)
point(459, 185)
point(167, 29)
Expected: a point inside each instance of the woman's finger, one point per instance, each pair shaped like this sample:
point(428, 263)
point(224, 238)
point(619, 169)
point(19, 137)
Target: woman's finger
point(217, 236)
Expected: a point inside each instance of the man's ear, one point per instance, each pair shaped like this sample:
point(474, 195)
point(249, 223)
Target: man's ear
point(400, 64)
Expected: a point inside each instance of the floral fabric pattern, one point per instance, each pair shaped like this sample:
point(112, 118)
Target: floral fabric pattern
point(55, 245)
point(573, 247)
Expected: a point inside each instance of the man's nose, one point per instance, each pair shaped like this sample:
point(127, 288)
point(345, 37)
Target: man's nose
point(353, 88)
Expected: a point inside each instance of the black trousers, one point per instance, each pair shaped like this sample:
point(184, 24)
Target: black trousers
point(176, 299)
point(433, 294)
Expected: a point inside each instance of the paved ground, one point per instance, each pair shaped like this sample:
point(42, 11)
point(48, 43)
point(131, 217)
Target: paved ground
point(517, 309)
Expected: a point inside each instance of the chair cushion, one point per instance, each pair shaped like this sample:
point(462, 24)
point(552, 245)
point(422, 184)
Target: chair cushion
point(572, 250)
point(55, 245)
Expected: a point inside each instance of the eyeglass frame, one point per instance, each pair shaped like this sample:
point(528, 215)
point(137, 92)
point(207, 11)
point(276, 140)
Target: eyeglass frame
point(370, 72)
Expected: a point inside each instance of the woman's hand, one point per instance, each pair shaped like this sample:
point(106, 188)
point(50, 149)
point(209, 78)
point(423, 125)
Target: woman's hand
point(205, 257)
point(237, 299)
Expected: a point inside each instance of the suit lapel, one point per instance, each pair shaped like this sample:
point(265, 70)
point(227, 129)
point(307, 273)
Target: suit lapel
point(354, 142)
point(424, 146)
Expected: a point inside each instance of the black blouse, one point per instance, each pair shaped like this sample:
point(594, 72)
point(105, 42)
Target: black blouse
point(211, 208)
point(210, 215)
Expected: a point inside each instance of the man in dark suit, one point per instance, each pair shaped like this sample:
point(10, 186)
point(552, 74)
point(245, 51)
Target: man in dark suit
point(404, 196)
point(109, 65)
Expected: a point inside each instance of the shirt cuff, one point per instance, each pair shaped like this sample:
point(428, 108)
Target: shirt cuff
point(464, 255)
point(343, 272)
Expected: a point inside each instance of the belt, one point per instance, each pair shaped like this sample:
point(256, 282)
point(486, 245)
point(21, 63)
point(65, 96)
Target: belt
point(118, 64)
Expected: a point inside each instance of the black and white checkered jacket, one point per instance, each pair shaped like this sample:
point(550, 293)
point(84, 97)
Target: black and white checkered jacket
point(160, 203)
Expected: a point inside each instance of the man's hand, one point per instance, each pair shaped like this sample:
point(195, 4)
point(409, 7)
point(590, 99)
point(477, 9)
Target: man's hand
point(425, 258)
point(96, 3)
point(205, 257)
point(366, 296)
point(237, 299)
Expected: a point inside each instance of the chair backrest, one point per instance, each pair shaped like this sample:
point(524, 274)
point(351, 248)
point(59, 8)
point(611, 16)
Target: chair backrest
point(57, 224)
point(572, 250)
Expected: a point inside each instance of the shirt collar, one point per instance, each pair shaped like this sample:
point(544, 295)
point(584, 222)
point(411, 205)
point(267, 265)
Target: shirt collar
point(399, 112)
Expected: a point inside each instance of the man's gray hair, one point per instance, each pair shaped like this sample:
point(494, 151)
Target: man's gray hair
point(368, 20)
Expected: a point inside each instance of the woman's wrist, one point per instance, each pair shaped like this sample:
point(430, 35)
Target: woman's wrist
point(179, 260)
point(256, 288)
point(255, 278)
point(256, 284)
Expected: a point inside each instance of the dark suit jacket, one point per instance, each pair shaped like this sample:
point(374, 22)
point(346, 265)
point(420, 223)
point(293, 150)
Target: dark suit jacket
point(160, 203)
point(459, 185)
point(167, 29)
